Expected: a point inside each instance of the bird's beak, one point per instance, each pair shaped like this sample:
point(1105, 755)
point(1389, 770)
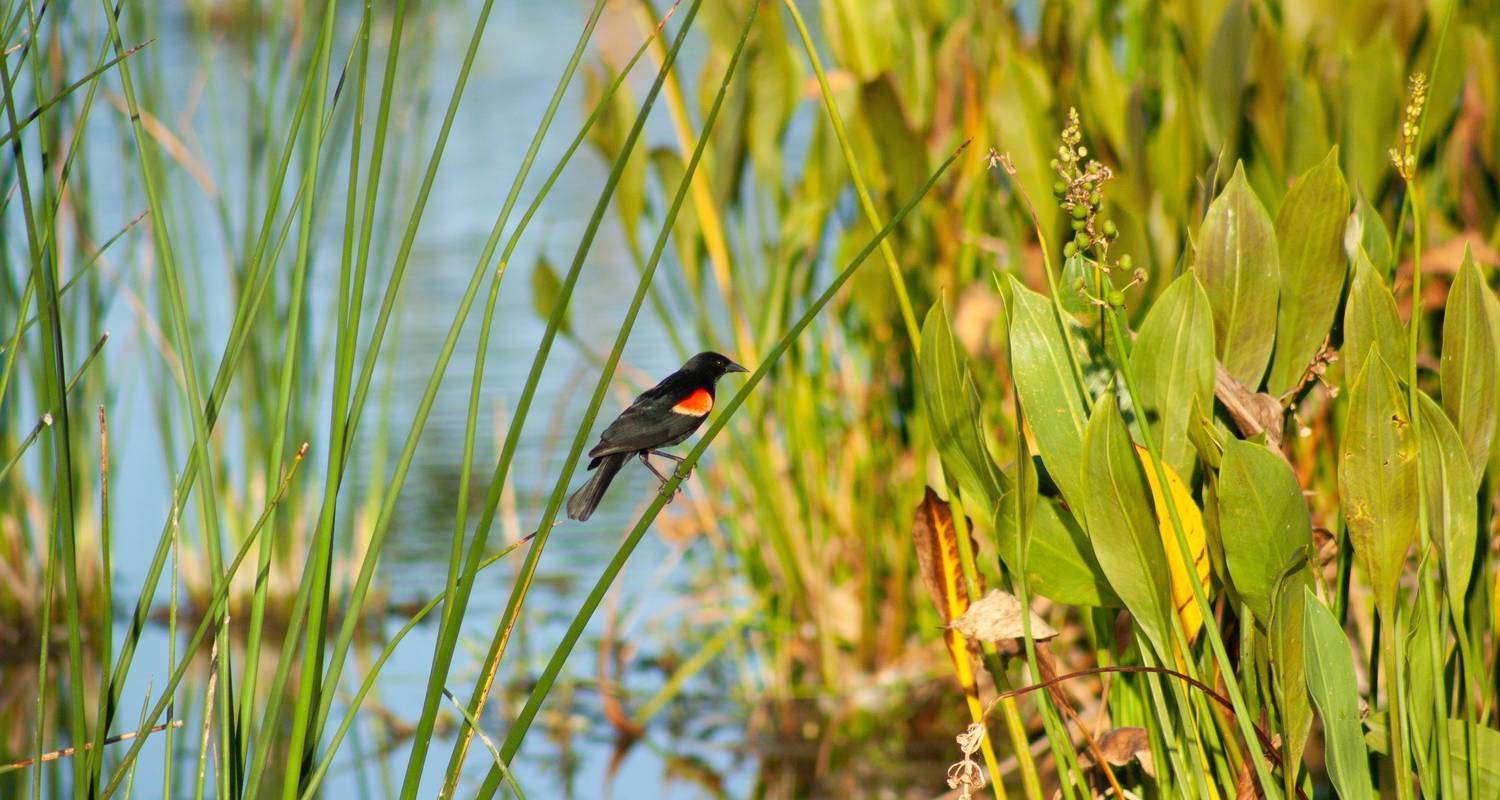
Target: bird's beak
point(733, 367)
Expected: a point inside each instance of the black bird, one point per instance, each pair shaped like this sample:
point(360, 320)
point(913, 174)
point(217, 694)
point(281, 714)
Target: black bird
point(662, 416)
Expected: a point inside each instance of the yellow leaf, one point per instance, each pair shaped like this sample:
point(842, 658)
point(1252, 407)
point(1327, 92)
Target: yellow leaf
point(1197, 540)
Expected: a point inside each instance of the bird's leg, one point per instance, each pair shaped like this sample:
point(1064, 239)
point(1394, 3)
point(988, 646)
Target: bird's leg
point(679, 459)
point(662, 490)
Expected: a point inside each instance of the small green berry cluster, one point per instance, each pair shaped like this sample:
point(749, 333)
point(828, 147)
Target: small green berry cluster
point(1080, 192)
point(1404, 156)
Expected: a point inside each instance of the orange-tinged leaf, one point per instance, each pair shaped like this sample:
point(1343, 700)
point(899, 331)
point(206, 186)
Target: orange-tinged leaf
point(937, 556)
point(937, 559)
point(1197, 538)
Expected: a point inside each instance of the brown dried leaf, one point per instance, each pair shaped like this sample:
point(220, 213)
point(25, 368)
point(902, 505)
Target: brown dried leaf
point(1120, 746)
point(1252, 412)
point(1245, 787)
point(997, 617)
point(937, 556)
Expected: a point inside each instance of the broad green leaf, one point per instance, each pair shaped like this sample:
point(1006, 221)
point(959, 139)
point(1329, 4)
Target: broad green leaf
point(1450, 491)
point(1372, 234)
point(1183, 602)
point(1310, 243)
point(1050, 397)
point(1288, 657)
point(1122, 526)
point(1060, 563)
point(1335, 692)
point(1370, 318)
point(1470, 371)
point(1173, 362)
point(953, 413)
point(1263, 520)
point(1239, 268)
point(1378, 479)
point(545, 288)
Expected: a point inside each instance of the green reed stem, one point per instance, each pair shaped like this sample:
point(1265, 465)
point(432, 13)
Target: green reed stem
point(212, 614)
point(453, 611)
point(554, 323)
point(62, 94)
point(60, 526)
point(48, 418)
point(554, 667)
point(315, 779)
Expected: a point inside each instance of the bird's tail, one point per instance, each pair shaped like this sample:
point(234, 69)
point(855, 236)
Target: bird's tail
point(583, 502)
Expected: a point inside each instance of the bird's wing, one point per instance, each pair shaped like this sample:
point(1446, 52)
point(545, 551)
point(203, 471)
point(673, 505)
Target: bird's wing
point(647, 423)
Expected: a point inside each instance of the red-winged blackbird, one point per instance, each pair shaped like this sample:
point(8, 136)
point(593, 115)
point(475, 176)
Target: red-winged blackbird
point(662, 416)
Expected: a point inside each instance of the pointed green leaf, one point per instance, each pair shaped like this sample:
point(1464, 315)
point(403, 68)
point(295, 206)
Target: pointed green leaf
point(1263, 520)
point(1173, 361)
point(1378, 479)
point(1122, 526)
point(953, 412)
point(1050, 397)
point(1310, 243)
point(1370, 318)
point(1240, 270)
point(1470, 370)
point(1335, 692)
point(1288, 656)
point(1450, 491)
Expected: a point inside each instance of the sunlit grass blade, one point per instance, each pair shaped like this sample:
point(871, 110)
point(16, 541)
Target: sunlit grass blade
point(440, 366)
point(554, 667)
point(489, 744)
point(211, 617)
point(554, 323)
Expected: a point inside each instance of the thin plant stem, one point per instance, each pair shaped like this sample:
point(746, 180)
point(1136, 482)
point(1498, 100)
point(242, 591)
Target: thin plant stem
point(554, 502)
point(559, 657)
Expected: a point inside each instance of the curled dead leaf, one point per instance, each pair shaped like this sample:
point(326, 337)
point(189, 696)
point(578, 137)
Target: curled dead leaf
point(1120, 746)
point(997, 617)
point(1253, 412)
point(937, 556)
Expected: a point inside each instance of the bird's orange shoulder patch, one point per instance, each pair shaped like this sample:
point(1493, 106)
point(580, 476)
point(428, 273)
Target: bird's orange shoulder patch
point(697, 404)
